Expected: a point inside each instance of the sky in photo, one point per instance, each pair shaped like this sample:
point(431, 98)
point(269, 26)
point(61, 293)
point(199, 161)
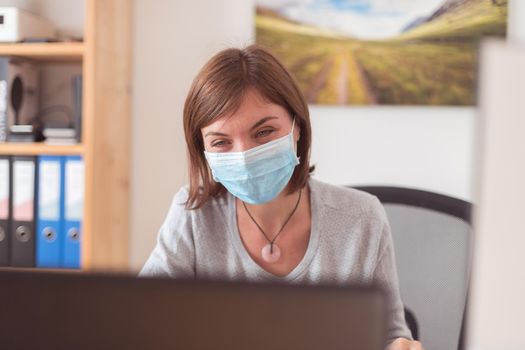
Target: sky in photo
point(362, 19)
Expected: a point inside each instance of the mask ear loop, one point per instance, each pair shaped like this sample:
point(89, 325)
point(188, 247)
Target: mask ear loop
point(291, 133)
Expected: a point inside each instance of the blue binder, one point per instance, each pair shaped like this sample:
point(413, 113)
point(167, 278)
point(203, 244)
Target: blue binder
point(50, 211)
point(73, 210)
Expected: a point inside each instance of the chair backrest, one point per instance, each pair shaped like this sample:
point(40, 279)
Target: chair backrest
point(432, 235)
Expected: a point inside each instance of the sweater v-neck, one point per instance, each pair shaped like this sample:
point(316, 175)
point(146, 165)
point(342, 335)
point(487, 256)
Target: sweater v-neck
point(313, 242)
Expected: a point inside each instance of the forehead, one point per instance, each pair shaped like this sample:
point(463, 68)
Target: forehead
point(253, 107)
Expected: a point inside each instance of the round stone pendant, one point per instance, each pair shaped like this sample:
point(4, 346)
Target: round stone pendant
point(271, 255)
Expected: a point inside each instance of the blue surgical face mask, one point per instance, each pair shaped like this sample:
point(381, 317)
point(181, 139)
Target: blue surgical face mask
point(258, 175)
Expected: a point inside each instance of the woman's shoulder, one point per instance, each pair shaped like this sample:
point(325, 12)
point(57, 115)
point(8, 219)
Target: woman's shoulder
point(180, 199)
point(347, 199)
point(211, 213)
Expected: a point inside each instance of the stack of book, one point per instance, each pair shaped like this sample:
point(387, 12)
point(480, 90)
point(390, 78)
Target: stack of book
point(61, 136)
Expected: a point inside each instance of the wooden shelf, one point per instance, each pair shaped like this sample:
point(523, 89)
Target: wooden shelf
point(38, 148)
point(44, 51)
point(105, 59)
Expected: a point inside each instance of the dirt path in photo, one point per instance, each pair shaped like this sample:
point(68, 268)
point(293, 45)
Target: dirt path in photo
point(304, 61)
point(360, 86)
point(319, 81)
point(342, 80)
point(345, 76)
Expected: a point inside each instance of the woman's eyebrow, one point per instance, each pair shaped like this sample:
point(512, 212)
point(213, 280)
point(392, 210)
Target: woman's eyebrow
point(257, 124)
point(214, 133)
point(262, 121)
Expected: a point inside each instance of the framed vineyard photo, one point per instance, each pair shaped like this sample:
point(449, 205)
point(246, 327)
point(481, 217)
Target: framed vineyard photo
point(368, 52)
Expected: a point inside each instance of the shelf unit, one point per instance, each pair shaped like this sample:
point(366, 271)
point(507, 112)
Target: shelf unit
point(36, 148)
point(45, 51)
point(105, 55)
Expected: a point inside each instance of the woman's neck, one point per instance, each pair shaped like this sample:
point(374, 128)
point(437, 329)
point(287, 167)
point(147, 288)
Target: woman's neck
point(272, 215)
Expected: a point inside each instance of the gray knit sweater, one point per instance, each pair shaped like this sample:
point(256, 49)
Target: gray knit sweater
point(350, 242)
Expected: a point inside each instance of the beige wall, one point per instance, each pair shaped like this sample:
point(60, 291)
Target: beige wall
point(173, 39)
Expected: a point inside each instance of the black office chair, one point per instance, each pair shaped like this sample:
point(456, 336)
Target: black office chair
point(432, 236)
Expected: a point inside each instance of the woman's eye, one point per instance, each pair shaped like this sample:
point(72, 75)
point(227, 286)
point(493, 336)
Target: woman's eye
point(218, 144)
point(263, 133)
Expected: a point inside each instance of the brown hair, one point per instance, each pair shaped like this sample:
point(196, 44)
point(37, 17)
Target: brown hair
point(218, 90)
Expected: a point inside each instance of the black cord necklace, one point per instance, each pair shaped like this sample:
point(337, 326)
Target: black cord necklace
point(271, 252)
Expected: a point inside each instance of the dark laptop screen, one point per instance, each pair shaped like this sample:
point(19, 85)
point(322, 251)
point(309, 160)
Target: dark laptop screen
point(79, 311)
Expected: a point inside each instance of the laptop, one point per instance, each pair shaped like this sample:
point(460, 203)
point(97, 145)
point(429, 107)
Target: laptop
point(49, 310)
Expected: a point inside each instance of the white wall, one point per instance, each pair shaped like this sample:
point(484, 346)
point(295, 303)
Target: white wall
point(418, 147)
point(496, 304)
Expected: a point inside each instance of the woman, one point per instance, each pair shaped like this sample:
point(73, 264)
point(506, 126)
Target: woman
point(252, 211)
